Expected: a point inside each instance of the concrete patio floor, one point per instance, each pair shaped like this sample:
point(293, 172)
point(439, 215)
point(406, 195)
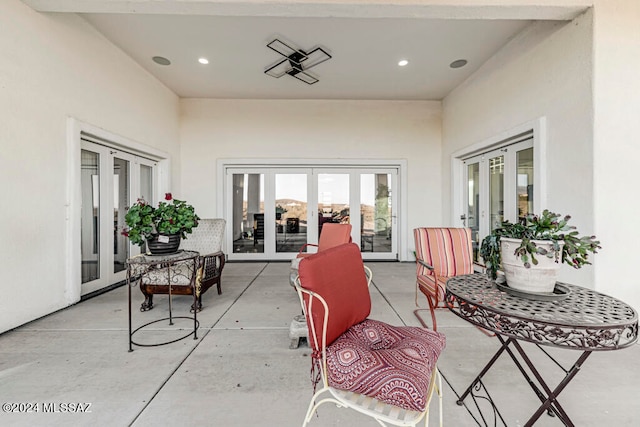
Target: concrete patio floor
point(240, 371)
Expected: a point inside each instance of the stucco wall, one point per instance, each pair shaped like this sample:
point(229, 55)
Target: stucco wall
point(616, 145)
point(56, 66)
point(546, 71)
point(276, 129)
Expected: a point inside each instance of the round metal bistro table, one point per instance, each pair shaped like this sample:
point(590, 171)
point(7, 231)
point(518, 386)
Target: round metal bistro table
point(182, 264)
point(576, 318)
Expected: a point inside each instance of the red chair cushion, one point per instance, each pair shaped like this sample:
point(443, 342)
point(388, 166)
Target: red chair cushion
point(337, 274)
point(390, 363)
point(332, 235)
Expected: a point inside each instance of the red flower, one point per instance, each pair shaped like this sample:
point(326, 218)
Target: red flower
point(125, 233)
point(167, 196)
point(171, 221)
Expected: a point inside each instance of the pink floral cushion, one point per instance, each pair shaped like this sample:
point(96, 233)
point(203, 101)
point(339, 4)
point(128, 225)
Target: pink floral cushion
point(390, 363)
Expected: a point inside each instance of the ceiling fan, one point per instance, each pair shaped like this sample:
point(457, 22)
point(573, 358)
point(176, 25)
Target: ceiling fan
point(296, 62)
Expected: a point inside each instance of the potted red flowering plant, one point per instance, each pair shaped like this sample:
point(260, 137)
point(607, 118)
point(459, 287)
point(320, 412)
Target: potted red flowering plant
point(172, 220)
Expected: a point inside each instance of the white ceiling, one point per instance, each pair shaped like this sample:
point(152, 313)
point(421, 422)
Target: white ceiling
point(365, 46)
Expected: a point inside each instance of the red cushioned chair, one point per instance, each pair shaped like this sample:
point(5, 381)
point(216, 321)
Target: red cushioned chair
point(332, 234)
point(441, 253)
point(386, 372)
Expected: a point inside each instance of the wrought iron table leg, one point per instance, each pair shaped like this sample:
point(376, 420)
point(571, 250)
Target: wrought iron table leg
point(484, 371)
point(552, 395)
point(548, 398)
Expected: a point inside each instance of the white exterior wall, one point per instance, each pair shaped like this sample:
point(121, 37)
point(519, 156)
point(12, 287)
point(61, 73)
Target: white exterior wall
point(546, 71)
point(266, 129)
point(56, 66)
point(582, 78)
point(616, 146)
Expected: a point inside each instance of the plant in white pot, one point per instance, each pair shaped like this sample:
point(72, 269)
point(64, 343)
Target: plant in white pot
point(531, 251)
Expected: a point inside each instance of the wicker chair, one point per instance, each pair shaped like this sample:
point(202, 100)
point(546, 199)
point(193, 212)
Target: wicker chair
point(205, 239)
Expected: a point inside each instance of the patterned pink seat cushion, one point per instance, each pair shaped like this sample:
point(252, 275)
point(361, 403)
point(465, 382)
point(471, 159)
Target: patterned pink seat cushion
point(390, 363)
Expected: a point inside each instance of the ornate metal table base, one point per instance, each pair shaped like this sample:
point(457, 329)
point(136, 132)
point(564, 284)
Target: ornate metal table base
point(547, 396)
point(585, 320)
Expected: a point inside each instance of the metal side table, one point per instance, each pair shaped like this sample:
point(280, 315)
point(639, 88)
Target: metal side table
point(178, 269)
point(577, 318)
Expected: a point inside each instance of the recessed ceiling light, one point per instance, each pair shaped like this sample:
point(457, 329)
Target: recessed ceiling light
point(161, 60)
point(458, 63)
point(204, 61)
point(402, 62)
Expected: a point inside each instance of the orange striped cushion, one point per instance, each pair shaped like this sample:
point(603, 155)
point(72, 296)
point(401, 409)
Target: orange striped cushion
point(428, 283)
point(448, 250)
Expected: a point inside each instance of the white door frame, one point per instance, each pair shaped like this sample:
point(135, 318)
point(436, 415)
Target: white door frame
point(75, 128)
point(538, 129)
point(400, 198)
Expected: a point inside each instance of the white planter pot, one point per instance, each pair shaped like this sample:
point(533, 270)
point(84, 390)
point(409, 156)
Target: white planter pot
point(539, 278)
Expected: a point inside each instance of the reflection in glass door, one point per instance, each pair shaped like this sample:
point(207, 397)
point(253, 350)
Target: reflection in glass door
point(248, 223)
point(90, 224)
point(333, 199)
point(376, 213)
point(292, 204)
point(291, 211)
point(524, 164)
point(121, 185)
point(472, 215)
point(496, 192)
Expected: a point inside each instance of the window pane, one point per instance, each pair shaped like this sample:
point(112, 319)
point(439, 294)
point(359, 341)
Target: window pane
point(473, 205)
point(248, 213)
point(90, 222)
point(146, 183)
point(375, 212)
point(496, 191)
point(333, 199)
point(120, 203)
point(291, 212)
point(524, 162)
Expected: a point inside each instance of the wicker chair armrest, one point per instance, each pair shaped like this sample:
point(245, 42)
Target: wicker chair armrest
point(212, 265)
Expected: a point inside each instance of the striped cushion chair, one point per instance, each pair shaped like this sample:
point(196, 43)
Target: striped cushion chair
point(441, 253)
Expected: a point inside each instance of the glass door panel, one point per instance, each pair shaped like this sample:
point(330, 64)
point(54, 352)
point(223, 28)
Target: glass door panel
point(333, 199)
point(376, 216)
point(248, 226)
point(90, 214)
point(146, 191)
point(498, 187)
point(108, 180)
point(291, 205)
point(121, 186)
point(496, 191)
point(291, 211)
point(524, 165)
point(472, 216)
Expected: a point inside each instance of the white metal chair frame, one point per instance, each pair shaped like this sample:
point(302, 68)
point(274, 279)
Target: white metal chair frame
point(383, 413)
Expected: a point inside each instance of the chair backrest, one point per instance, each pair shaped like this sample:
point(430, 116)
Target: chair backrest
point(206, 238)
point(447, 250)
point(337, 275)
point(333, 234)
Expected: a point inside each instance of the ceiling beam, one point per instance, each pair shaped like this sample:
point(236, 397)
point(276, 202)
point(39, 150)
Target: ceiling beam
point(426, 9)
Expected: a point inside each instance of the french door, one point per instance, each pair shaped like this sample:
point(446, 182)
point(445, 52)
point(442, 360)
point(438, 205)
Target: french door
point(498, 187)
point(273, 212)
point(110, 181)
